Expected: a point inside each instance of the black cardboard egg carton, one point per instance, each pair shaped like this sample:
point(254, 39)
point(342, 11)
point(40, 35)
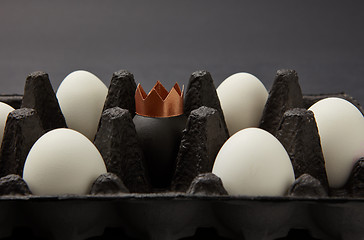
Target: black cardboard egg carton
point(124, 205)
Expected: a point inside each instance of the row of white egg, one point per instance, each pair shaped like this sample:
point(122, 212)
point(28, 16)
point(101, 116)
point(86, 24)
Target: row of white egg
point(65, 161)
point(251, 162)
point(254, 162)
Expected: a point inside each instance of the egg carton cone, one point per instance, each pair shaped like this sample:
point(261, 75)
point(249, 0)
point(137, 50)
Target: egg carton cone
point(190, 202)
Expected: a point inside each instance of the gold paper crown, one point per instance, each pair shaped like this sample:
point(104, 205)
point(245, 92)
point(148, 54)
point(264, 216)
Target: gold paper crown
point(159, 102)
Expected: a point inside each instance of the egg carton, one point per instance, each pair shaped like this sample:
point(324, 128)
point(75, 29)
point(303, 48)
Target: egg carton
point(195, 205)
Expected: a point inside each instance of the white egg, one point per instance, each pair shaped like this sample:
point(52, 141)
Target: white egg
point(341, 129)
point(81, 97)
point(253, 162)
point(62, 161)
point(242, 98)
point(5, 109)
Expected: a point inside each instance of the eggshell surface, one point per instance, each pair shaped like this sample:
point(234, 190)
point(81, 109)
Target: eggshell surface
point(242, 98)
point(341, 129)
point(253, 162)
point(81, 97)
point(5, 109)
point(62, 161)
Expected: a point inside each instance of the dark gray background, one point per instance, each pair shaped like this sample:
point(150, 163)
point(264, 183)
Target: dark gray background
point(168, 40)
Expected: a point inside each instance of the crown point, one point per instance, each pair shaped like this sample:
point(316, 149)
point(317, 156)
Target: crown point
point(178, 89)
point(161, 90)
point(141, 91)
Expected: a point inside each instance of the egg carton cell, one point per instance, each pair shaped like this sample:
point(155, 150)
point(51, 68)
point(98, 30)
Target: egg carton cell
point(191, 202)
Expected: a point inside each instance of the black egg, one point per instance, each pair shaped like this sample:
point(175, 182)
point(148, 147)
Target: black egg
point(160, 139)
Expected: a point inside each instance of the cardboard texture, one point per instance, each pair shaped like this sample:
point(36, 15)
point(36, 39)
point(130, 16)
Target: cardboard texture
point(142, 204)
